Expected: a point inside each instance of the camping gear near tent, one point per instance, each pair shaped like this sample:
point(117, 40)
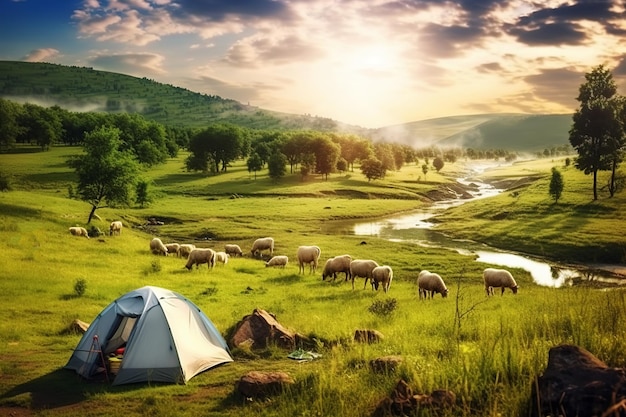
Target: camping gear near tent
point(165, 336)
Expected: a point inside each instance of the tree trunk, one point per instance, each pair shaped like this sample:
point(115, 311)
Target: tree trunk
point(91, 214)
point(595, 183)
point(612, 183)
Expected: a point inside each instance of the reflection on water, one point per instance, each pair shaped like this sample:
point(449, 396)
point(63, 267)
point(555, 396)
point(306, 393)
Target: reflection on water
point(416, 228)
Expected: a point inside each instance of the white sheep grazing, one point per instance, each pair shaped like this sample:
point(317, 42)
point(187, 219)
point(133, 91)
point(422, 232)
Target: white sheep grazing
point(382, 275)
point(173, 248)
point(308, 255)
point(362, 268)
point(115, 228)
point(498, 278)
point(261, 244)
point(221, 257)
point(336, 265)
point(79, 231)
point(200, 256)
point(429, 283)
point(157, 247)
point(233, 250)
point(185, 249)
point(280, 261)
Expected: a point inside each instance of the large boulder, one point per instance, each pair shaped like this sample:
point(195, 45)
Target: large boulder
point(576, 383)
point(260, 329)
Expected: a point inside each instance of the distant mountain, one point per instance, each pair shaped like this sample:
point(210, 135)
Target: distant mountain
point(515, 132)
point(86, 89)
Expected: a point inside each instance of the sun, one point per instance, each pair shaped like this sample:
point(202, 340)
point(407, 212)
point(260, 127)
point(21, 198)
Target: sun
point(375, 58)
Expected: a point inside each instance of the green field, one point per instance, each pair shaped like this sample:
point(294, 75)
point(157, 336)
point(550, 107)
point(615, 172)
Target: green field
point(486, 350)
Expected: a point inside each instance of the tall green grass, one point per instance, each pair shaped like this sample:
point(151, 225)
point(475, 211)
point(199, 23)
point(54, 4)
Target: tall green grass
point(489, 355)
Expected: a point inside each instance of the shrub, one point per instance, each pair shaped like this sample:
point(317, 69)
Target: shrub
point(383, 307)
point(5, 182)
point(155, 266)
point(80, 286)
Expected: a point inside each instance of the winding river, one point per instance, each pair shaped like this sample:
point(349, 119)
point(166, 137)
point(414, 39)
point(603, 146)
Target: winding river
point(417, 227)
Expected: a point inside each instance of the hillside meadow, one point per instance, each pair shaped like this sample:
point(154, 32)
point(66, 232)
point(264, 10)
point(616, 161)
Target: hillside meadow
point(486, 350)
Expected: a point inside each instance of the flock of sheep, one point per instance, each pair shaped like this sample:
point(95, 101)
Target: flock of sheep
point(429, 283)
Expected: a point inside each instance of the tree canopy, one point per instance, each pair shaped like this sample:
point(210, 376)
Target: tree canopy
point(597, 132)
point(106, 174)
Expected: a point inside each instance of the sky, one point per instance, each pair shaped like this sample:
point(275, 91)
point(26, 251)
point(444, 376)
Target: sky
point(370, 63)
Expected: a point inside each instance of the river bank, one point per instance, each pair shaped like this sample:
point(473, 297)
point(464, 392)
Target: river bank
point(432, 227)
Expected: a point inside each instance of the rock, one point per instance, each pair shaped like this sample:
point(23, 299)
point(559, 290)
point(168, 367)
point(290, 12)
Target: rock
point(576, 383)
point(261, 328)
point(367, 336)
point(385, 363)
point(257, 384)
point(76, 327)
point(404, 402)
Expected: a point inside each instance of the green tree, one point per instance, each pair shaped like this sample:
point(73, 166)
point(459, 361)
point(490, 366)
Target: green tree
point(342, 165)
point(10, 128)
point(277, 165)
point(106, 175)
point(218, 144)
point(438, 163)
point(254, 163)
point(326, 155)
point(373, 169)
point(556, 185)
point(307, 165)
point(41, 125)
point(143, 196)
point(425, 169)
point(597, 129)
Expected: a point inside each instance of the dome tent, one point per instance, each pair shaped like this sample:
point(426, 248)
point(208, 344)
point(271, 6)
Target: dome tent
point(166, 338)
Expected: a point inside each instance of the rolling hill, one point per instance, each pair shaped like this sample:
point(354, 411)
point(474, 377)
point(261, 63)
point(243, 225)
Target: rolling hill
point(515, 132)
point(86, 89)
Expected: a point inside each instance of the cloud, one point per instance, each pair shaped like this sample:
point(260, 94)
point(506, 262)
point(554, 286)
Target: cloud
point(139, 64)
point(261, 50)
point(41, 55)
point(565, 24)
point(223, 10)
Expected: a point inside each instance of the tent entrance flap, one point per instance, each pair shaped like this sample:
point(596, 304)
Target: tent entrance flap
point(121, 335)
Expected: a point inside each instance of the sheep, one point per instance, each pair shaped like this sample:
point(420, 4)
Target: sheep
point(308, 255)
point(336, 265)
point(429, 283)
point(157, 247)
point(221, 257)
point(279, 260)
point(261, 244)
point(173, 248)
point(200, 256)
point(185, 249)
point(498, 278)
point(382, 275)
point(115, 228)
point(362, 268)
point(79, 231)
point(233, 250)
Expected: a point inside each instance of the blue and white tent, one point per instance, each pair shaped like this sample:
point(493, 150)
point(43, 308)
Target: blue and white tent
point(166, 338)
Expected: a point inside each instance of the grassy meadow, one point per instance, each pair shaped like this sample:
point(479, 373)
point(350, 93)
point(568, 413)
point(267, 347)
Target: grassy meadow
point(486, 350)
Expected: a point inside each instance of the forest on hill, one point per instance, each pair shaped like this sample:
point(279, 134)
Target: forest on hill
point(87, 90)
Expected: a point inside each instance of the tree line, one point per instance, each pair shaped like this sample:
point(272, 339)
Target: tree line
point(149, 142)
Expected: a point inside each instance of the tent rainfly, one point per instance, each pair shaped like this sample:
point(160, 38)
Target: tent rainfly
point(166, 338)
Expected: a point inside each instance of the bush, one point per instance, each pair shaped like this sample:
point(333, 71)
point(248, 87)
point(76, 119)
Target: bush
point(80, 286)
point(5, 182)
point(383, 308)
